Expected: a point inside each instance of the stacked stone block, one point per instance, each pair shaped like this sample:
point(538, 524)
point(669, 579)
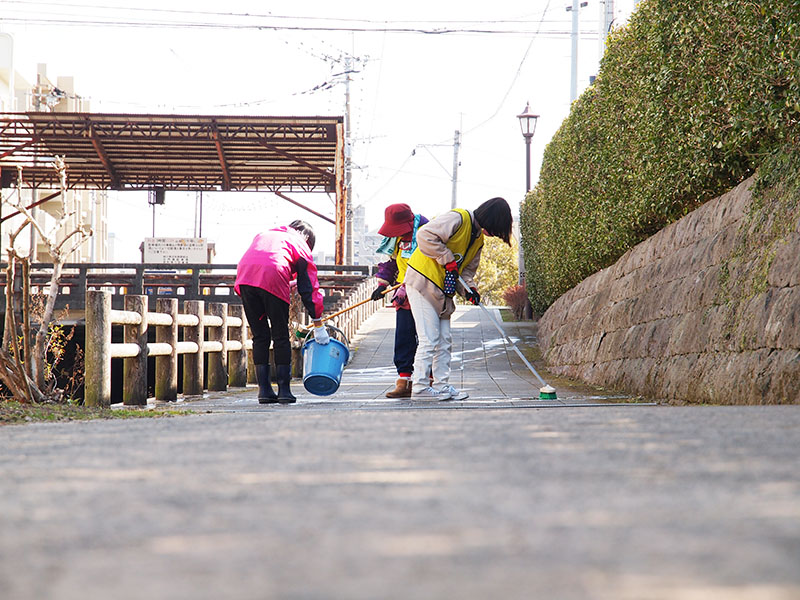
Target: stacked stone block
point(696, 313)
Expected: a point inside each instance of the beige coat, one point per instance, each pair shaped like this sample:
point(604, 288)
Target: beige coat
point(431, 240)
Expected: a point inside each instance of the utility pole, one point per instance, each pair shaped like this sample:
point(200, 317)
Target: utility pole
point(456, 145)
point(348, 173)
point(573, 86)
point(606, 19)
point(573, 82)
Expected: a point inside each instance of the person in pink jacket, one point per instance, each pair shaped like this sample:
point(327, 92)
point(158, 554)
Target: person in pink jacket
point(264, 276)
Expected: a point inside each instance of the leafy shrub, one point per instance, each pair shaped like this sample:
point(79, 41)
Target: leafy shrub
point(516, 298)
point(497, 270)
point(690, 99)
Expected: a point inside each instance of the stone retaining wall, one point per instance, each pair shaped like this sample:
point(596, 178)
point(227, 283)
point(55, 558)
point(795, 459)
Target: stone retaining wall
point(707, 310)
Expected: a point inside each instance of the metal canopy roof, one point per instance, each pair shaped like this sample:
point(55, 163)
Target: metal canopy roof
point(173, 152)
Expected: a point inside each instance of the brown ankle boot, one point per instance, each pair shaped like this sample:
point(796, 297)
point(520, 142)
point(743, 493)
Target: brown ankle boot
point(402, 389)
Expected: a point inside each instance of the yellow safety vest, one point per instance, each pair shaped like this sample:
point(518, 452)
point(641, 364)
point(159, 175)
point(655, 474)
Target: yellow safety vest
point(402, 263)
point(459, 245)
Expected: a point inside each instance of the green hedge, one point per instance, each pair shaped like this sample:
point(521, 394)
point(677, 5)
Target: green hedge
point(691, 96)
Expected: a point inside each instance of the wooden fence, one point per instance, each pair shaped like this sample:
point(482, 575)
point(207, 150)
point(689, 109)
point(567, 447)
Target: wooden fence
point(216, 329)
point(227, 358)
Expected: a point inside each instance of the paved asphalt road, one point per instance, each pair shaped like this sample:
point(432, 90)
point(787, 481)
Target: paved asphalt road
point(355, 499)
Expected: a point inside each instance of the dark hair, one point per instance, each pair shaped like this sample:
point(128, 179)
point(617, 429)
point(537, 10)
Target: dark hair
point(495, 217)
point(306, 230)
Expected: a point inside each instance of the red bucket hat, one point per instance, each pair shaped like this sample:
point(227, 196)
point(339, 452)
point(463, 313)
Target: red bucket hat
point(398, 220)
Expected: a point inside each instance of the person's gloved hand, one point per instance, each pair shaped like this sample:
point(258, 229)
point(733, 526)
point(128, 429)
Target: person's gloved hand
point(399, 297)
point(321, 334)
point(473, 296)
point(378, 293)
point(450, 278)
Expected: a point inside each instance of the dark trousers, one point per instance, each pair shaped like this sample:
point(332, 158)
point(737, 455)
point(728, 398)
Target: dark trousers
point(405, 341)
point(268, 317)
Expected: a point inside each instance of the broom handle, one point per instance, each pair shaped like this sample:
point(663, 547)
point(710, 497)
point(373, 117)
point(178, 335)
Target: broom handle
point(505, 336)
point(344, 310)
point(514, 346)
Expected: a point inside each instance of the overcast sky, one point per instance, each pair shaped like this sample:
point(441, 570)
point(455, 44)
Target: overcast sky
point(412, 87)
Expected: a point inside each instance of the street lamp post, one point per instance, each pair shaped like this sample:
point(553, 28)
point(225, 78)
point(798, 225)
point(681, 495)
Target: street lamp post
point(527, 123)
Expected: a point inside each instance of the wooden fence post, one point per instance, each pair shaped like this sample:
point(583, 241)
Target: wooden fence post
point(237, 360)
point(134, 370)
point(218, 361)
point(167, 366)
point(138, 280)
point(97, 374)
point(193, 363)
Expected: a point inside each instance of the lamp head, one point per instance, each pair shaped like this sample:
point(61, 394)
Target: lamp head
point(527, 121)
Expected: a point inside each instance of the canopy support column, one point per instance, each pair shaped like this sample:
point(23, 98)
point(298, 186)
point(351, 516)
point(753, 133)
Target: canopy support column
point(341, 197)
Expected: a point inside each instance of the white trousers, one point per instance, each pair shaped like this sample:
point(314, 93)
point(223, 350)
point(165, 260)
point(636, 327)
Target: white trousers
point(435, 343)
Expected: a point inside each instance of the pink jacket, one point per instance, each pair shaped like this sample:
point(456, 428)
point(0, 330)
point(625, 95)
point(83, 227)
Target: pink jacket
point(276, 258)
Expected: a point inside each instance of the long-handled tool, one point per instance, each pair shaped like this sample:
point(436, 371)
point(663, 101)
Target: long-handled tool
point(344, 310)
point(546, 392)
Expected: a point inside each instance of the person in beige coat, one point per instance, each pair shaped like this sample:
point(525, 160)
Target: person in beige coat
point(448, 247)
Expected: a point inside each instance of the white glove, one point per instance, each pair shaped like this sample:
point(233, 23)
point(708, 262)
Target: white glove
point(321, 334)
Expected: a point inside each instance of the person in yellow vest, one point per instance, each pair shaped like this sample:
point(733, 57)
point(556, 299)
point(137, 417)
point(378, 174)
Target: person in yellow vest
point(400, 226)
point(447, 247)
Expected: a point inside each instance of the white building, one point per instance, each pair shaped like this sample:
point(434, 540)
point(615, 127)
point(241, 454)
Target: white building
point(89, 206)
point(365, 243)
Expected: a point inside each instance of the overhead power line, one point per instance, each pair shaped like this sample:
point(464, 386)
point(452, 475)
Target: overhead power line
point(268, 15)
point(516, 75)
point(322, 87)
point(95, 22)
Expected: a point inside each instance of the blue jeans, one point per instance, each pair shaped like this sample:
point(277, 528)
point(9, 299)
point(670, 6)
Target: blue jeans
point(405, 341)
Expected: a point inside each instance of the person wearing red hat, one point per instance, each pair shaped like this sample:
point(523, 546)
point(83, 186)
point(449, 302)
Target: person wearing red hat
point(400, 240)
point(448, 250)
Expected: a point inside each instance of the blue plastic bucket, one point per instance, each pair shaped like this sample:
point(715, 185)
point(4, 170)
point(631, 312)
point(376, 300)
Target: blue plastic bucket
point(323, 366)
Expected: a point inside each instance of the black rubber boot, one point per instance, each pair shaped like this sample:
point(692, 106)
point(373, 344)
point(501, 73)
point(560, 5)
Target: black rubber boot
point(284, 376)
point(266, 395)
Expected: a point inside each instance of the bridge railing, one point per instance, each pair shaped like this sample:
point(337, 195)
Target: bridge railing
point(202, 281)
point(217, 331)
point(350, 321)
point(224, 325)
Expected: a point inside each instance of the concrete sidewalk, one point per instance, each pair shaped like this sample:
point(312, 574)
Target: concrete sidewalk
point(483, 365)
point(358, 497)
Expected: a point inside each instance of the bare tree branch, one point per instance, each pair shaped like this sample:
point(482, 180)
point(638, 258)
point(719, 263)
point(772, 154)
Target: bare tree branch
point(58, 251)
point(75, 246)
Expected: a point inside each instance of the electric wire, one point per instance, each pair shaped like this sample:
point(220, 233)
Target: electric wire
point(377, 95)
point(270, 15)
point(557, 34)
point(329, 84)
point(514, 80)
point(508, 91)
point(388, 181)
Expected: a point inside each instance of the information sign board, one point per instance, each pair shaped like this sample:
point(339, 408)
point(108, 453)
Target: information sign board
point(175, 251)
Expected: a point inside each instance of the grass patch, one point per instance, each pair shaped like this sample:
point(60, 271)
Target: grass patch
point(14, 413)
point(507, 315)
